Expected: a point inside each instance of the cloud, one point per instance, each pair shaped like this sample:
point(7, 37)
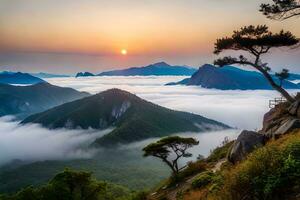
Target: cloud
point(32, 142)
point(241, 109)
point(207, 141)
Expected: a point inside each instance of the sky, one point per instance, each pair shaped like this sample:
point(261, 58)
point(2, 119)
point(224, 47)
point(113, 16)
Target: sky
point(67, 36)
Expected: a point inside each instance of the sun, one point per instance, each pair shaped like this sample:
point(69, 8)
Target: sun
point(124, 52)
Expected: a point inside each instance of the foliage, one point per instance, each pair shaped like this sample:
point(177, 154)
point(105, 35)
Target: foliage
point(281, 9)
point(220, 152)
point(203, 179)
point(191, 169)
point(284, 74)
point(271, 172)
point(75, 185)
point(127, 168)
point(66, 185)
point(168, 146)
point(256, 41)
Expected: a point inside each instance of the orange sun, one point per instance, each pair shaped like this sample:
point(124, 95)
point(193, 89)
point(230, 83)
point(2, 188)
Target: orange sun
point(124, 52)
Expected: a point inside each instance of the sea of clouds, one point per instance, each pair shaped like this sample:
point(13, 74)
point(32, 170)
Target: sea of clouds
point(33, 142)
point(240, 109)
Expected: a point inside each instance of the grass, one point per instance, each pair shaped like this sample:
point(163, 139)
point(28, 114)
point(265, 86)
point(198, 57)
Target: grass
point(270, 172)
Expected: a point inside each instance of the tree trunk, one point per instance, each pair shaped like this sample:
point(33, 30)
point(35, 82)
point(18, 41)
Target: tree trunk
point(171, 166)
point(281, 90)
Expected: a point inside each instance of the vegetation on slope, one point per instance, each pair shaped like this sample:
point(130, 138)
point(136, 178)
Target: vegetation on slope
point(134, 119)
point(73, 185)
point(123, 167)
point(269, 172)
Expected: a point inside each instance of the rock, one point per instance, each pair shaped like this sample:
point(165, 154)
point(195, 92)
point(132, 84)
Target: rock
point(293, 109)
point(246, 142)
point(268, 118)
point(289, 125)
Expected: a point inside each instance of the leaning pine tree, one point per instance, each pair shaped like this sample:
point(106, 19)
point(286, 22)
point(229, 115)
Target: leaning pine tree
point(170, 150)
point(281, 9)
point(256, 41)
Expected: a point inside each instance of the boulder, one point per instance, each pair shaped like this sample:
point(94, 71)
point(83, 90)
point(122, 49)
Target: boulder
point(289, 125)
point(293, 109)
point(246, 142)
point(268, 118)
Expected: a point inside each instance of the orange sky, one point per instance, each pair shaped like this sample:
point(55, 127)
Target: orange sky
point(180, 32)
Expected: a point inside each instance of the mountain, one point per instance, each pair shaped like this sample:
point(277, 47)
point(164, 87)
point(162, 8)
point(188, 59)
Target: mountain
point(25, 100)
point(18, 78)
point(157, 69)
point(293, 77)
point(134, 119)
point(82, 74)
point(230, 78)
point(47, 75)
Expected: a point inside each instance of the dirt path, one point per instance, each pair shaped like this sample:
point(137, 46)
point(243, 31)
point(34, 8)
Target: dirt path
point(218, 165)
point(172, 193)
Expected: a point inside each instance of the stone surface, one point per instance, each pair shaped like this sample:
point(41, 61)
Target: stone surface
point(246, 142)
point(289, 125)
point(293, 109)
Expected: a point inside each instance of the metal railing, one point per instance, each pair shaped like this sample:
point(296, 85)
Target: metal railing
point(276, 101)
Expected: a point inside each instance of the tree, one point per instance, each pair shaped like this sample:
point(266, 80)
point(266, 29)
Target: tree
point(74, 185)
point(256, 41)
point(68, 185)
point(284, 74)
point(281, 9)
point(170, 150)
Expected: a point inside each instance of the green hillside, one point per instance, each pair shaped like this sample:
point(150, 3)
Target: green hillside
point(134, 119)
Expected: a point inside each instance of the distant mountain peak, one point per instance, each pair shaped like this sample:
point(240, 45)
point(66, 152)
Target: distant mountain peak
point(132, 117)
point(161, 64)
point(230, 78)
point(156, 69)
point(81, 74)
point(18, 78)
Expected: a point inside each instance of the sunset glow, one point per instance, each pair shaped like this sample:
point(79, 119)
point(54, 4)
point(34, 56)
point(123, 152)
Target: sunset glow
point(177, 32)
point(124, 52)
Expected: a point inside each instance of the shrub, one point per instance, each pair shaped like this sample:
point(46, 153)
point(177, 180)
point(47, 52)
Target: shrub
point(203, 179)
point(220, 152)
point(270, 172)
point(191, 169)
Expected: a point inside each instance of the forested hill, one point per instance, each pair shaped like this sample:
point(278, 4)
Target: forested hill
point(134, 119)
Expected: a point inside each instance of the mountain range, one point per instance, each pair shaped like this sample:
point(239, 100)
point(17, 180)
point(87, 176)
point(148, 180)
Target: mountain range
point(156, 69)
point(18, 78)
point(230, 78)
point(133, 118)
point(84, 74)
point(25, 100)
point(43, 75)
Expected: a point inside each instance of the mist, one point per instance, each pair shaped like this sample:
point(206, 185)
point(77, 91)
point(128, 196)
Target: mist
point(241, 109)
point(208, 141)
point(34, 143)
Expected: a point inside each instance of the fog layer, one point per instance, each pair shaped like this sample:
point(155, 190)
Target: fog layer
point(32, 142)
point(241, 109)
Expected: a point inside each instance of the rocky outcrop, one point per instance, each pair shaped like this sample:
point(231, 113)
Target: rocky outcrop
point(246, 142)
point(282, 119)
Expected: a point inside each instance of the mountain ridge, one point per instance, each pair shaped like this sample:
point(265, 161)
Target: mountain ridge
point(230, 78)
point(134, 119)
point(18, 78)
point(25, 100)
